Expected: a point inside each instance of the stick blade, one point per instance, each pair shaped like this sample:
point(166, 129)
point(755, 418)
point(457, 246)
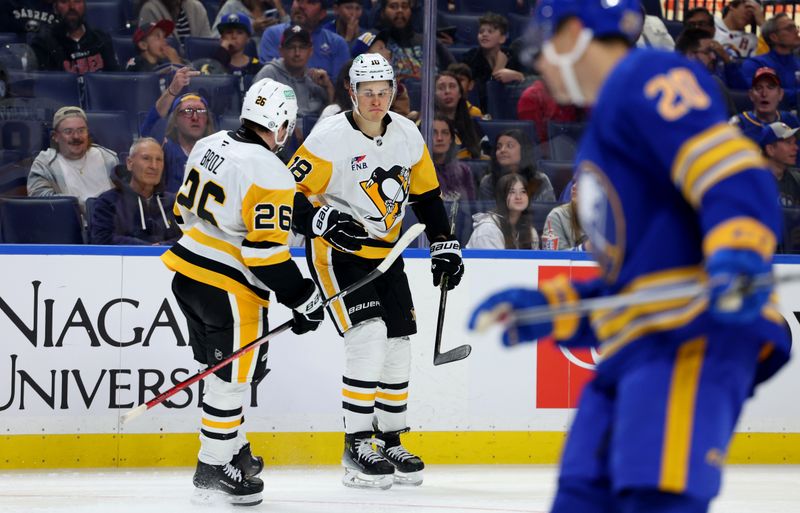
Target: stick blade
point(132, 414)
point(453, 355)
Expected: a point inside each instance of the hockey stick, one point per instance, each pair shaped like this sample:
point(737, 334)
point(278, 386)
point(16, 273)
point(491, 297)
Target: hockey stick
point(401, 244)
point(731, 301)
point(460, 352)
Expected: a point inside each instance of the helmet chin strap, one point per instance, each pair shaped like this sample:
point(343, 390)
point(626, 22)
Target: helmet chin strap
point(565, 62)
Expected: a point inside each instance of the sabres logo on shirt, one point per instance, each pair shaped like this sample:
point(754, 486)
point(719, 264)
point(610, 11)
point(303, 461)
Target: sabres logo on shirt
point(358, 163)
point(600, 214)
point(387, 190)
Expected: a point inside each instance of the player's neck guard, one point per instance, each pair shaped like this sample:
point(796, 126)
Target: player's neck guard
point(566, 64)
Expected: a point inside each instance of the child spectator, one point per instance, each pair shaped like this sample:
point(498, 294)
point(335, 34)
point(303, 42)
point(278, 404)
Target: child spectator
point(489, 61)
point(346, 18)
point(513, 154)
point(136, 211)
point(371, 42)
point(154, 50)
point(455, 177)
point(235, 31)
point(562, 228)
point(451, 103)
point(263, 13)
point(510, 225)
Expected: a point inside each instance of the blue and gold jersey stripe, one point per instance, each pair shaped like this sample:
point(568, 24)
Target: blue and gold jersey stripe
point(711, 156)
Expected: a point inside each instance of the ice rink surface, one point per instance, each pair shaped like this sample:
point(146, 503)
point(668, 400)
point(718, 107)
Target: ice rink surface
point(469, 489)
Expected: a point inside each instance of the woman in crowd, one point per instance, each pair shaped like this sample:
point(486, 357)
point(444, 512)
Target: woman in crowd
point(513, 154)
point(455, 177)
point(510, 225)
point(562, 229)
point(451, 103)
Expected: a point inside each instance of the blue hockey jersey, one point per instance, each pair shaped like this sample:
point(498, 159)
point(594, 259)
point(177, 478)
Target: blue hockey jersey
point(663, 182)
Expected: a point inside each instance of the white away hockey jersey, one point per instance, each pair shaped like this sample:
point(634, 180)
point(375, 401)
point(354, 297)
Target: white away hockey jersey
point(372, 179)
point(235, 210)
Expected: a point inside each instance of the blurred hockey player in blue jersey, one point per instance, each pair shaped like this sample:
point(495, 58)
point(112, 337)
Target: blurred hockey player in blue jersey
point(669, 194)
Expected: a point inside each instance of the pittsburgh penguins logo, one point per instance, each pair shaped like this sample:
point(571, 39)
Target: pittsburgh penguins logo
point(387, 190)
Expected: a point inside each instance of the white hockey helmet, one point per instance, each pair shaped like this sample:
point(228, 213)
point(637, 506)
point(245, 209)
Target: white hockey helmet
point(370, 67)
point(270, 104)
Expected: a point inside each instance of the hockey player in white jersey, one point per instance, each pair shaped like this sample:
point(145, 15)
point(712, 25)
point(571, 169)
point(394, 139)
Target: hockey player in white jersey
point(356, 173)
point(235, 210)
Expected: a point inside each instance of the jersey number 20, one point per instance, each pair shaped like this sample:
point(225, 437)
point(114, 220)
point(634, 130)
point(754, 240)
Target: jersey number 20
point(210, 189)
point(679, 92)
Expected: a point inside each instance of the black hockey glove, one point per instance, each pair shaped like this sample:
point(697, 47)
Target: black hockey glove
point(340, 229)
point(446, 261)
point(309, 312)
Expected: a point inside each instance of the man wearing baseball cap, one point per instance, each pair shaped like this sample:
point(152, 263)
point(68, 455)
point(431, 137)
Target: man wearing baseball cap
point(330, 49)
point(783, 39)
point(312, 86)
point(154, 50)
point(72, 166)
point(779, 144)
point(766, 94)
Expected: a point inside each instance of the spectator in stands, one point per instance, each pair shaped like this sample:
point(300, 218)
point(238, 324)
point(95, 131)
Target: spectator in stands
point(371, 42)
point(766, 95)
point(699, 18)
point(513, 154)
point(154, 51)
point(697, 45)
point(779, 144)
point(263, 13)
point(72, 45)
point(188, 120)
point(463, 73)
point(730, 29)
point(455, 177)
point(190, 16)
point(136, 211)
point(346, 20)
point(72, 166)
point(654, 33)
point(312, 86)
point(341, 93)
point(330, 49)
point(404, 43)
point(27, 17)
point(537, 105)
point(451, 103)
point(236, 30)
point(510, 225)
point(401, 103)
point(562, 228)
point(489, 61)
point(781, 35)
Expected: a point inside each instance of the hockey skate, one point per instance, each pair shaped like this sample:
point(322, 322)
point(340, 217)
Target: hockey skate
point(407, 467)
point(251, 465)
point(363, 467)
point(225, 484)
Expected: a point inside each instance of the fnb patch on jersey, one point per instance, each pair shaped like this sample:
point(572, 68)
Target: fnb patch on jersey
point(357, 163)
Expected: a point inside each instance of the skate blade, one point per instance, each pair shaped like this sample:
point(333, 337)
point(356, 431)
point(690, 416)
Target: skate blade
point(408, 478)
point(355, 479)
point(203, 497)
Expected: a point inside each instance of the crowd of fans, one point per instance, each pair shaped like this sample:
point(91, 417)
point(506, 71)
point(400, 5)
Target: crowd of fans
point(496, 171)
